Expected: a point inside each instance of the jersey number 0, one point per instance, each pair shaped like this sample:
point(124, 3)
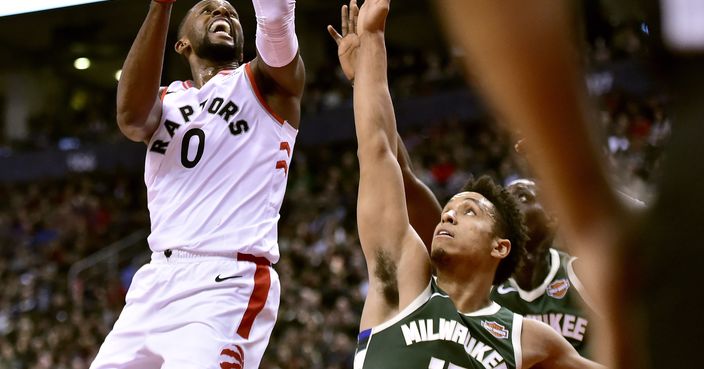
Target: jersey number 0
point(185, 145)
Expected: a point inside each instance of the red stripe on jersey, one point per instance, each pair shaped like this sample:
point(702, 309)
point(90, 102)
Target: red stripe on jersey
point(230, 366)
point(262, 283)
point(232, 354)
point(285, 146)
point(260, 97)
point(164, 90)
point(281, 164)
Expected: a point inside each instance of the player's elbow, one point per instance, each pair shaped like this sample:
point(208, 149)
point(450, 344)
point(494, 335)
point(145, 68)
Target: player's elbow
point(374, 149)
point(132, 127)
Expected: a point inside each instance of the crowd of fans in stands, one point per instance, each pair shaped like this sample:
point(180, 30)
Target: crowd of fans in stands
point(83, 114)
point(47, 226)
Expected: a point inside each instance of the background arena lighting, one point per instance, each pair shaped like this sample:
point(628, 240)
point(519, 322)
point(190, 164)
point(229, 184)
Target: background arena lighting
point(81, 63)
point(11, 7)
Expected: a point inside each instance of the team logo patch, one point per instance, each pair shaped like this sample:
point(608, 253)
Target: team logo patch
point(558, 289)
point(497, 330)
point(232, 357)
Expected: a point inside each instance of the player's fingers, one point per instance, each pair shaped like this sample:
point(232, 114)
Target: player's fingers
point(335, 36)
point(354, 12)
point(345, 20)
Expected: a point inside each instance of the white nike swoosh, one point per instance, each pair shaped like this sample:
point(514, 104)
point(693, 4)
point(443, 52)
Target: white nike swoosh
point(504, 290)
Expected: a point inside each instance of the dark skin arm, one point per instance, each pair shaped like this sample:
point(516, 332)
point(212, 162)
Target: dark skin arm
point(138, 104)
point(282, 87)
point(423, 207)
point(515, 43)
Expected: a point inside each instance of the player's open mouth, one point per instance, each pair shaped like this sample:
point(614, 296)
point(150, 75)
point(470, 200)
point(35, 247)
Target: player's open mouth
point(444, 233)
point(221, 27)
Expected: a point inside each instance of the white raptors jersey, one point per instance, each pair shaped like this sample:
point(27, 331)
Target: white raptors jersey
point(216, 168)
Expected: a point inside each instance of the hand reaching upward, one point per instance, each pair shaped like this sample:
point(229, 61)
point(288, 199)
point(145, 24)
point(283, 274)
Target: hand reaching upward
point(372, 16)
point(348, 42)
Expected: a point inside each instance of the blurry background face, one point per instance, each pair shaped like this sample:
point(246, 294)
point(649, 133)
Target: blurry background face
point(534, 215)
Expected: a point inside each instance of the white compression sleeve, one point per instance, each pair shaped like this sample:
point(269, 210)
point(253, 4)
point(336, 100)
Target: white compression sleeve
point(276, 40)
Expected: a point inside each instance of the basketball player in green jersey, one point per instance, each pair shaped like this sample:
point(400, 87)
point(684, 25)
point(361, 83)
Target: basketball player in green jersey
point(410, 319)
point(545, 286)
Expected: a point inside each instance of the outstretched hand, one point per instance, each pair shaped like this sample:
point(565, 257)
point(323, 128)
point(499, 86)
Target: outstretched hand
point(372, 16)
point(348, 41)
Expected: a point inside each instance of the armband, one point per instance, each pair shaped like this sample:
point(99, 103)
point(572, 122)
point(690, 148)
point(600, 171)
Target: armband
point(276, 39)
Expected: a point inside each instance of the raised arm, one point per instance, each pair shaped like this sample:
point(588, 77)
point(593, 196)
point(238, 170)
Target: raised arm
point(523, 55)
point(398, 265)
point(423, 207)
point(138, 104)
point(278, 67)
point(528, 67)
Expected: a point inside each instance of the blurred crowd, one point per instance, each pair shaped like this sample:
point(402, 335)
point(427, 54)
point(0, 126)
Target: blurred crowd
point(79, 113)
point(47, 226)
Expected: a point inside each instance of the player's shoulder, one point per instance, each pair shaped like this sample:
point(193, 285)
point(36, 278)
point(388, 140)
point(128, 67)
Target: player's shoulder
point(177, 86)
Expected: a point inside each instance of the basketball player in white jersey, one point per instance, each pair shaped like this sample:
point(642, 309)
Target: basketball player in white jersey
point(218, 151)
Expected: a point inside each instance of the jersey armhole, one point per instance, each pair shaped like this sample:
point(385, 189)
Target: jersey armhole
point(258, 94)
point(516, 340)
point(162, 93)
point(422, 298)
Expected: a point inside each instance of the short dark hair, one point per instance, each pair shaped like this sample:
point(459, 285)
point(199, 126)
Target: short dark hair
point(509, 223)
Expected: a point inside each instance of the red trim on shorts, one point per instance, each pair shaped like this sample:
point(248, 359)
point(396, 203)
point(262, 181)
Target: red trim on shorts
point(259, 260)
point(237, 356)
point(259, 95)
point(285, 146)
point(262, 283)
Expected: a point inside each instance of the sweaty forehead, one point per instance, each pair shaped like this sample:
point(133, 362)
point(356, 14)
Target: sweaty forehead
point(212, 3)
point(474, 197)
point(524, 183)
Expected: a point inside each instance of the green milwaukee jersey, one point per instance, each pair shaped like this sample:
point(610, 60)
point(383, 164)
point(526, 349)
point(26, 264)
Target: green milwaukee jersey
point(558, 301)
point(431, 334)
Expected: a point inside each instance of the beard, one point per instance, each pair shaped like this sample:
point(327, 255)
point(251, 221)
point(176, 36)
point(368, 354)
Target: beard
point(439, 256)
point(219, 53)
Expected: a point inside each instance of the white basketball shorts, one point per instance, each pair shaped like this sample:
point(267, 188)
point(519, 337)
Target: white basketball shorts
point(191, 311)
